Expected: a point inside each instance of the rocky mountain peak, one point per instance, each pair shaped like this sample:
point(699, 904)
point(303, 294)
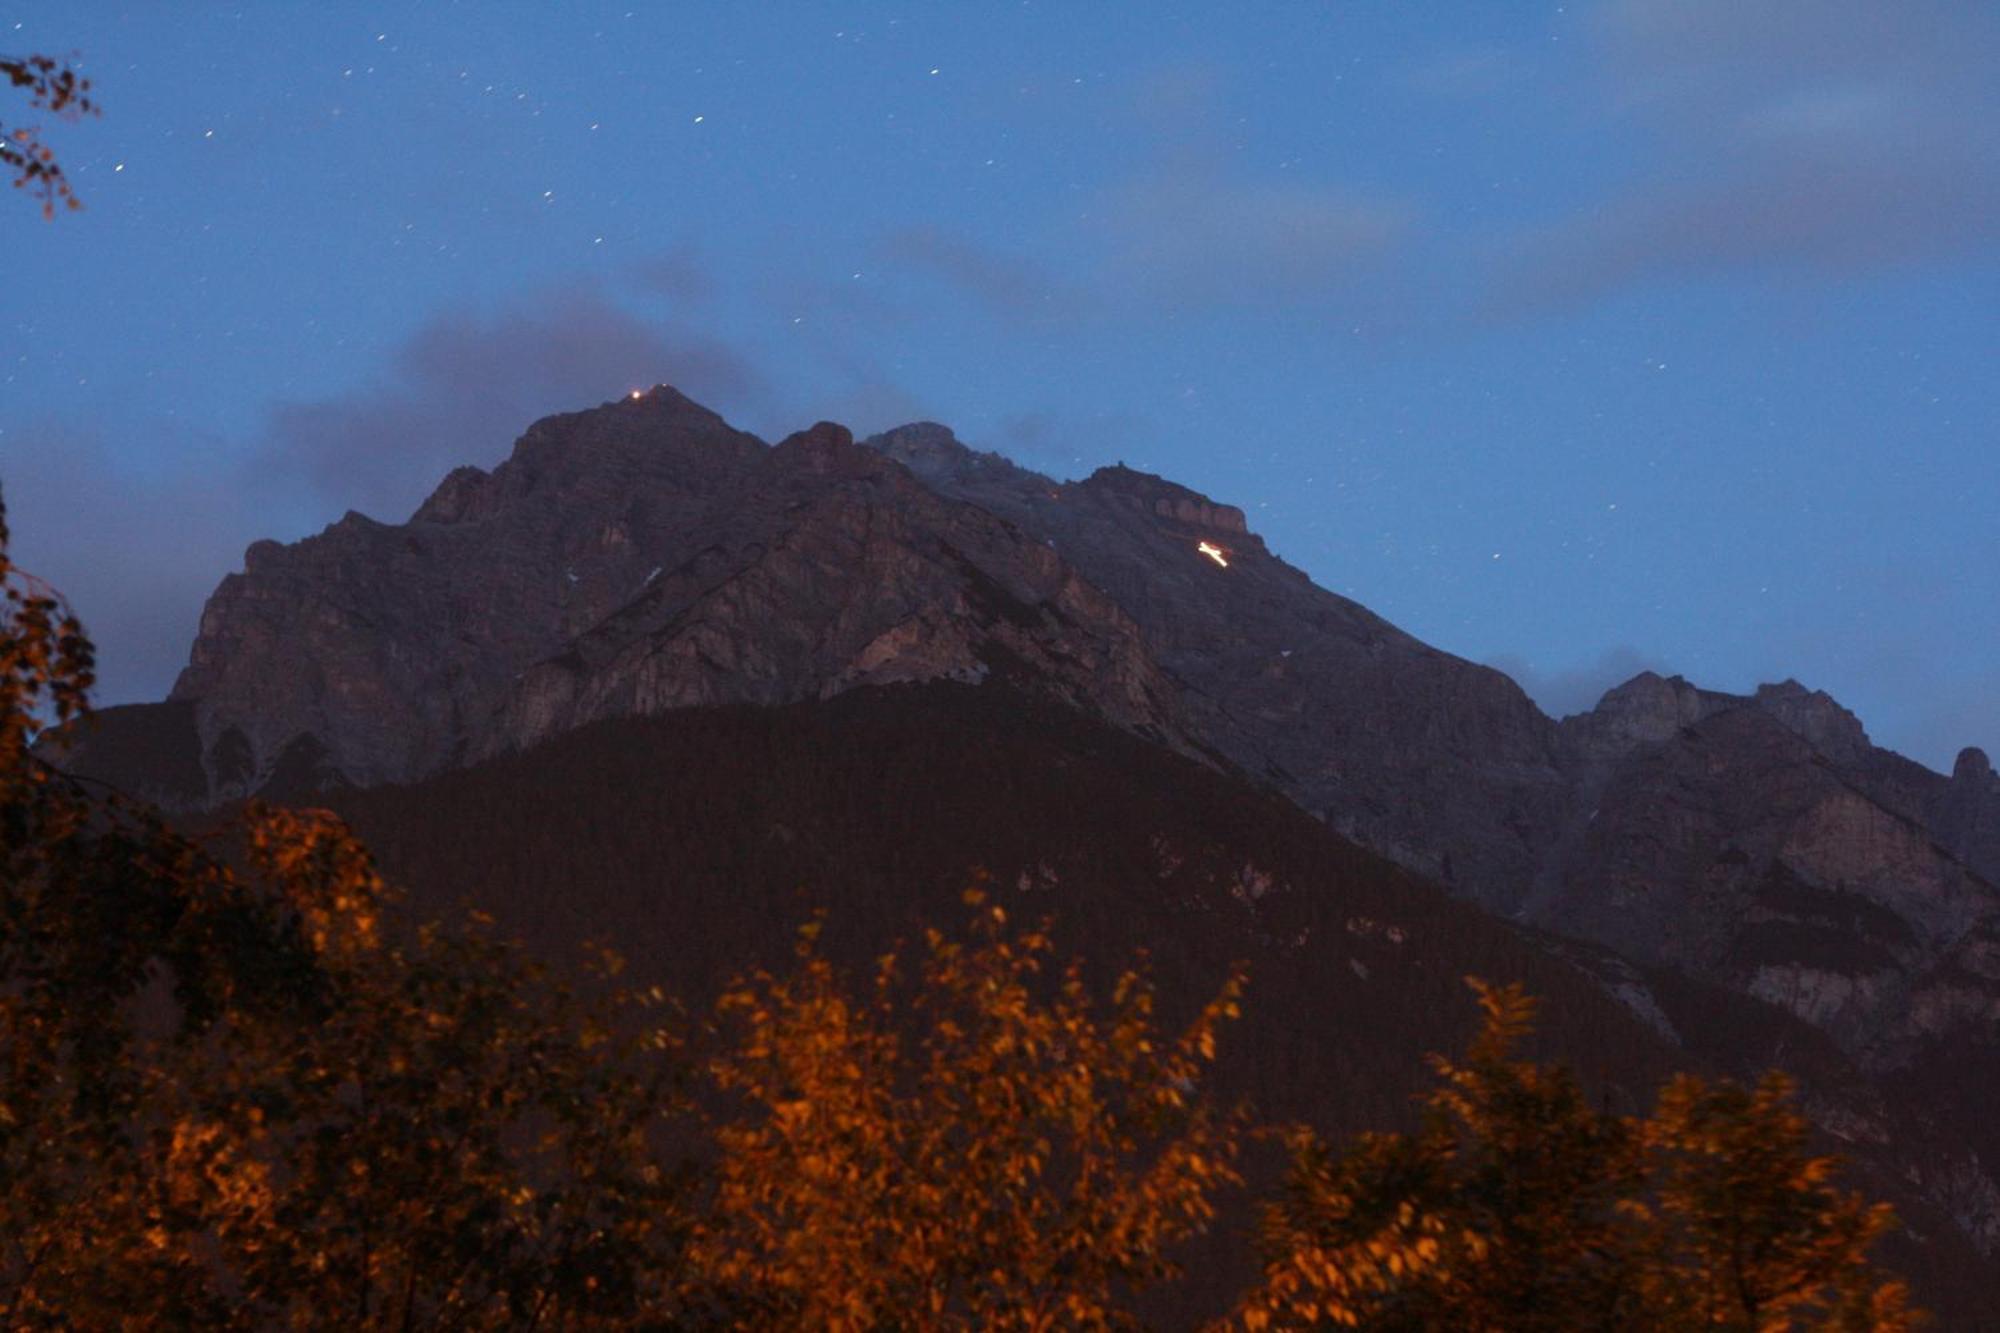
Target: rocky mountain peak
point(825, 449)
point(921, 445)
point(1645, 710)
point(634, 557)
point(1166, 499)
point(1814, 715)
point(1973, 768)
point(936, 455)
point(459, 498)
point(645, 556)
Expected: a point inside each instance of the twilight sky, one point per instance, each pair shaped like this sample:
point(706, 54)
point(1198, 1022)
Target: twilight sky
point(1574, 338)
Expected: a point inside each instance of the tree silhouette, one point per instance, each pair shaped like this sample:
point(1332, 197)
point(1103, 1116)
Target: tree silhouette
point(1519, 1207)
point(239, 1093)
point(53, 86)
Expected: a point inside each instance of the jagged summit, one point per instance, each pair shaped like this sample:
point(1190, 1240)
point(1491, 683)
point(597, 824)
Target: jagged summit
point(637, 556)
point(1167, 499)
point(1972, 766)
point(1815, 715)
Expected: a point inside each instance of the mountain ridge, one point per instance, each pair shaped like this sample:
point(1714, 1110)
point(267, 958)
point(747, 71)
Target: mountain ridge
point(645, 556)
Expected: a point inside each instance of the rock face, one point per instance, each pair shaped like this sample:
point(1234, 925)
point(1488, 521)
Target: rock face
point(391, 645)
point(635, 558)
point(1760, 842)
point(1718, 835)
point(1443, 764)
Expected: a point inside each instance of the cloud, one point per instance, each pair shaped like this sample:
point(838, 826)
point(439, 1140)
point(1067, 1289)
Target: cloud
point(1190, 234)
point(1004, 285)
point(1184, 233)
point(135, 554)
point(464, 386)
point(1045, 437)
point(676, 274)
point(1575, 689)
point(1819, 137)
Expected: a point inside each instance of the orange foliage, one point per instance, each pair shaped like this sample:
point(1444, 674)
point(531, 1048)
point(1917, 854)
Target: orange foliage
point(992, 1148)
point(1519, 1207)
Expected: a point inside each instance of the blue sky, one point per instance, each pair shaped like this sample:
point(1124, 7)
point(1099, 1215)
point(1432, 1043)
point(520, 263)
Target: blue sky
point(1577, 338)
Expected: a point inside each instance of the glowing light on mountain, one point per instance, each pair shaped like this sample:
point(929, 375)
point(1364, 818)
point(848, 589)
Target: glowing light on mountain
point(637, 394)
point(1213, 552)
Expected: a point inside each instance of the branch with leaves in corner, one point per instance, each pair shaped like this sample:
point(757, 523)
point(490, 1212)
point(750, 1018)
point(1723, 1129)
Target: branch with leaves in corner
point(53, 86)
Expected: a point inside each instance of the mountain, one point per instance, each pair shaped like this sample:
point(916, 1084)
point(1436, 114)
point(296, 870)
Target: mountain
point(697, 839)
point(644, 558)
point(637, 558)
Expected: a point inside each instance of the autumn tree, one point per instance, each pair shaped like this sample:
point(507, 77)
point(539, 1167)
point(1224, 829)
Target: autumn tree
point(1749, 1232)
point(53, 86)
point(238, 1093)
point(1517, 1206)
point(984, 1144)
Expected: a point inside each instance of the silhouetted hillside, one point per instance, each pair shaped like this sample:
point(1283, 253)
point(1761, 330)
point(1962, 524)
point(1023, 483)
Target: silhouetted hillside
point(695, 841)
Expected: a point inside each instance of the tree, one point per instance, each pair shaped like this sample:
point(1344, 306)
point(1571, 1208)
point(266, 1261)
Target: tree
point(987, 1148)
point(1518, 1207)
point(238, 1092)
point(53, 86)
point(1750, 1232)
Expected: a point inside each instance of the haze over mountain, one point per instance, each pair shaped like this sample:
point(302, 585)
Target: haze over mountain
point(645, 557)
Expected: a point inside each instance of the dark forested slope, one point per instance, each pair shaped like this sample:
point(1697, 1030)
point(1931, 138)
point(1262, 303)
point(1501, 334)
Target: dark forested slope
point(694, 841)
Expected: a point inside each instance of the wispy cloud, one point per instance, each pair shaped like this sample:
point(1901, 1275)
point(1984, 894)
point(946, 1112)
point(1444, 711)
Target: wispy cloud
point(463, 387)
point(135, 553)
point(1815, 137)
point(1191, 235)
point(676, 274)
point(1006, 286)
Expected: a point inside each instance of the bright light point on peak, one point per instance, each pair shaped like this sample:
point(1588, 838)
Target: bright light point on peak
point(637, 394)
point(1214, 552)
